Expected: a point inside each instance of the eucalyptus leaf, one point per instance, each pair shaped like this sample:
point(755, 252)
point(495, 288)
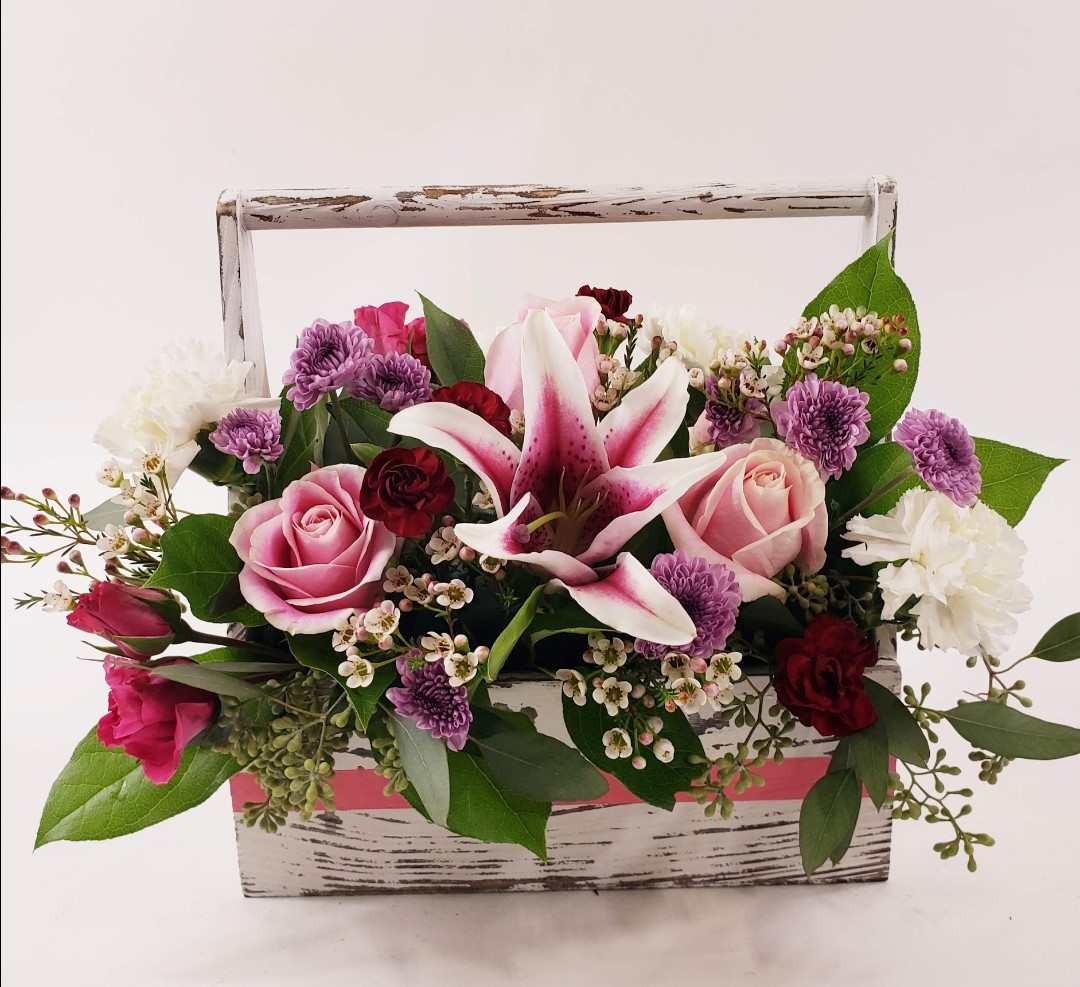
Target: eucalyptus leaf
point(453, 350)
point(102, 792)
point(1011, 477)
point(511, 634)
point(1008, 732)
point(1061, 642)
point(425, 762)
point(540, 767)
point(316, 651)
point(870, 749)
point(905, 737)
point(100, 517)
point(828, 817)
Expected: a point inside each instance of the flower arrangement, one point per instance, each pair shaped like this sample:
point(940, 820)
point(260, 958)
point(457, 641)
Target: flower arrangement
point(643, 508)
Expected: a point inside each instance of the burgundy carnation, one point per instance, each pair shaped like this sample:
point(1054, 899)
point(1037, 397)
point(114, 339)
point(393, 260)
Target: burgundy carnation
point(819, 677)
point(405, 489)
point(614, 302)
point(480, 401)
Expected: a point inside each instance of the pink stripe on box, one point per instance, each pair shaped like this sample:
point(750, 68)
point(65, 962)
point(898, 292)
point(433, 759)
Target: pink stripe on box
point(361, 789)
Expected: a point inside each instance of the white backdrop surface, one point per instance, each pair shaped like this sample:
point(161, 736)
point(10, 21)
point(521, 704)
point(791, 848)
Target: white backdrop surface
point(122, 121)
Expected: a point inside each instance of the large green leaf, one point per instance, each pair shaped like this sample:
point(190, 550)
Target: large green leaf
point(198, 561)
point(316, 651)
point(1004, 730)
point(828, 816)
point(770, 616)
point(511, 634)
point(366, 422)
point(452, 348)
point(657, 783)
point(1061, 642)
point(906, 739)
point(302, 435)
point(540, 767)
point(484, 809)
point(210, 680)
point(870, 748)
point(103, 792)
point(1011, 477)
point(870, 281)
point(568, 619)
point(426, 766)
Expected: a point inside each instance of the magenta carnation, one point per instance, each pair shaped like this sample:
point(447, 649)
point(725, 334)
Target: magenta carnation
point(393, 381)
point(823, 420)
point(708, 593)
point(251, 435)
point(328, 356)
point(427, 697)
point(943, 453)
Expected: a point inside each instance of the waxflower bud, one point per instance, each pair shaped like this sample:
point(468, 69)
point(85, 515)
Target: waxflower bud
point(74, 500)
point(49, 494)
point(638, 762)
point(7, 493)
point(905, 345)
point(900, 366)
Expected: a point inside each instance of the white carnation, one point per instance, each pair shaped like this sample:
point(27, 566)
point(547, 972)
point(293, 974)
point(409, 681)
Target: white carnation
point(700, 340)
point(962, 565)
point(185, 389)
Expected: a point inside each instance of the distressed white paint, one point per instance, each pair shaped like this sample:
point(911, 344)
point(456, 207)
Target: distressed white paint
point(366, 851)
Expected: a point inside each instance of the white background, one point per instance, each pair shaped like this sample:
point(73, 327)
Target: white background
point(122, 121)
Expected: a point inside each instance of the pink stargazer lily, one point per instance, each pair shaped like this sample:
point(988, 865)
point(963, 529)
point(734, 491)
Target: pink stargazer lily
point(576, 492)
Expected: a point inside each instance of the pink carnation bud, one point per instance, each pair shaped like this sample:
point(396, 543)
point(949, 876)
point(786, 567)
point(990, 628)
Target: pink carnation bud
point(900, 366)
point(645, 737)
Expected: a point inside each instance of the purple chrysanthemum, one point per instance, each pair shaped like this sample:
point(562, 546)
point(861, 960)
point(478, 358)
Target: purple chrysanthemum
point(943, 453)
point(426, 696)
point(251, 435)
point(824, 420)
point(708, 593)
point(729, 426)
point(393, 381)
point(327, 356)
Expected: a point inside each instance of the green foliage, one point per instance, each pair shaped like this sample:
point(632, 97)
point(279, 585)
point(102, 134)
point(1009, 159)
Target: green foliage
point(870, 749)
point(302, 435)
point(568, 619)
point(103, 792)
point(452, 349)
point(871, 282)
point(316, 651)
point(657, 783)
point(209, 679)
point(1007, 732)
point(1061, 642)
point(100, 517)
point(828, 816)
point(540, 767)
point(366, 422)
point(905, 737)
point(198, 561)
point(426, 765)
point(874, 467)
point(511, 634)
point(1011, 477)
point(771, 617)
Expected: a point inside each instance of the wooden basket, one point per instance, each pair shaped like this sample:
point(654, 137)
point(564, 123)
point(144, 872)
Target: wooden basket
point(376, 844)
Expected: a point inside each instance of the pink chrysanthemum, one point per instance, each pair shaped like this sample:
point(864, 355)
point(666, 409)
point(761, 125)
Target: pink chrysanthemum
point(825, 421)
point(426, 696)
point(251, 435)
point(328, 356)
point(393, 381)
point(943, 454)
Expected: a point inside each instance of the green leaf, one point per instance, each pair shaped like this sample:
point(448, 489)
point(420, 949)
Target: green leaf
point(488, 719)
point(870, 748)
point(657, 783)
point(484, 809)
point(1011, 477)
point(147, 646)
point(540, 767)
point(770, 615)
point(568, 619)
point(1061, 642)
point(905, 737)
point(1003, 730)
point(452, 348)
point(366, 423)
point(426, 766)
point(302, 435)
point(874, 467)
point(842, 759)
point(209, 680)
point(248, 667)
point(511, 634)
point(828, 816)
point(316, 651)
point(103, 792)
point(365, 451)
point(100, 517)
point(198, 561)
point(870, 281)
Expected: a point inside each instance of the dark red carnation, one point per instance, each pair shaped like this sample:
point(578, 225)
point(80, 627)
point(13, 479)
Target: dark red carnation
point(405, 489)
point(614, 302)
point(116, 611)
point(479, 400)
point(819, 677)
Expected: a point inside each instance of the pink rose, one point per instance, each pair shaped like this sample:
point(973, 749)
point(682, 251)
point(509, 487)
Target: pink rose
point(116, 610)
point(386, 325)
point(312, 557)
point(761, 510)
point(575, 318)
point(153, 718)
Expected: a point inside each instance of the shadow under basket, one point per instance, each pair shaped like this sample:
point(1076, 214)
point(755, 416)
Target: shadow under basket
point(375, 844)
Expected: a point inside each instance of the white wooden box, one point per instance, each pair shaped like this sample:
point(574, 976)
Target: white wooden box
point(374, 844)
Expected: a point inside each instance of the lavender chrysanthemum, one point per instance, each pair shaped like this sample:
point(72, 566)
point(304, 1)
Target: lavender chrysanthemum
point(824, 420)
point(729, 426)
point(427, 697)
point(251, 435)
point(393, 381)
point(708, 593)
point(327, 356)
point(943, 453)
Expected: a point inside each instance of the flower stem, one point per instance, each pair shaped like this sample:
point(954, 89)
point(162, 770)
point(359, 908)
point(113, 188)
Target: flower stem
point(339, 417)
point(201, 637)
point(901, 477)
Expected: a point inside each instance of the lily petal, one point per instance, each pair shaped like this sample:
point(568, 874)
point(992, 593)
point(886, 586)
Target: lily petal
point(562, 445)
point(479, 445)
point(629, 599)
point(638, 429)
